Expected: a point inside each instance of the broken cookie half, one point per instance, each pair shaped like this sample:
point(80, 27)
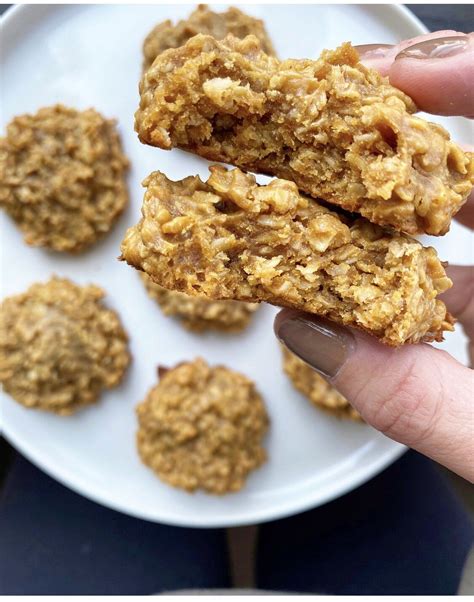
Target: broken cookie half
point(336, 128)
point(229, 238)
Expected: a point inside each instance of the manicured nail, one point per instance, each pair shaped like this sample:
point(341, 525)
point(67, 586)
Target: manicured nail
point(323, 345)
point(369, 52)
point(439, 48)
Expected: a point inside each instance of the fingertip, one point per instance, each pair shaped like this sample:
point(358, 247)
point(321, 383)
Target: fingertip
point(441, 85)
point(381, 56)
point(377, 56)
point(423, 78)
point(380, 64)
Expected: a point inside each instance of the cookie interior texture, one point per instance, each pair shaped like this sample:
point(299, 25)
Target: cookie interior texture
point(230, 238)
point(60, 346)
point(203, 20)
point(202, 427)
point(316, 388)
point(62, 177)
point(337, 129)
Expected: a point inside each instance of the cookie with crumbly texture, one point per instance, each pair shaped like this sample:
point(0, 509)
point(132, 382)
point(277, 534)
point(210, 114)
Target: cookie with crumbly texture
point(60, 346)
point(336, 128)
point(202, 427)
point(63, 177)
point(199, 313)
point(229, 238)
point(316, 388)
point(202, 20)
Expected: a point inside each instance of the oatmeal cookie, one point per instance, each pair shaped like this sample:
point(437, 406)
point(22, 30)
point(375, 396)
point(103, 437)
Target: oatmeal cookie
point(202, 427)
point(199, 313)
point(202, 20)
point(60, 346)
point(316, 388)
point(337, 129)
point(230, 238)
point(62, 177)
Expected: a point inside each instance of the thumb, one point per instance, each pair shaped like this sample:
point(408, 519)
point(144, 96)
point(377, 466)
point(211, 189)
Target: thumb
point(416, 394)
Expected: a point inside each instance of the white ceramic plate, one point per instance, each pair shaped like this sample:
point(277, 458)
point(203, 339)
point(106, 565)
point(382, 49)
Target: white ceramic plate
point(90, 56)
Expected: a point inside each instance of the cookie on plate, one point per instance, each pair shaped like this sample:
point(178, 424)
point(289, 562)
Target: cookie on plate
point(199, 313)
point(201, 427)
point(62, 177)
point(60, 346)
point(202, 20)
point(316, 388)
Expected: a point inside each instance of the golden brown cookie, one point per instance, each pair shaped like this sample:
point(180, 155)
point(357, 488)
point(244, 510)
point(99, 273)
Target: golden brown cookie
point(202, 20)
point(316, 388)
point(202, 427)
point(62, 177)
point(199, 313)
point(337, 129)
point(60, 346)
point(230, 238)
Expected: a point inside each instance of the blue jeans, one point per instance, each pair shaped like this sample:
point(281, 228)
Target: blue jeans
point(404, 532)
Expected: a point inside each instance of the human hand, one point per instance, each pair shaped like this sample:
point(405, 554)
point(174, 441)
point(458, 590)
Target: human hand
point(416, 394)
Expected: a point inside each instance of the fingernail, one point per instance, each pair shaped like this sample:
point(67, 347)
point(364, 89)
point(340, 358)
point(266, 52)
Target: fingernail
point(368, 52)
point(439, 48)
point(323, 345)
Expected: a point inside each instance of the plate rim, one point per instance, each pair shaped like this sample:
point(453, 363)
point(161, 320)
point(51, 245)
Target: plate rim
point(342, 485)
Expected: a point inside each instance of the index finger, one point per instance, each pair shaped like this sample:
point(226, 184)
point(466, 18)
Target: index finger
point(436, 70)
point(382, 56)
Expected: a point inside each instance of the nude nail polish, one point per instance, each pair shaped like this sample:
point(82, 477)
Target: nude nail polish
point(323, 345)
point(437, 48)
point(368, 52)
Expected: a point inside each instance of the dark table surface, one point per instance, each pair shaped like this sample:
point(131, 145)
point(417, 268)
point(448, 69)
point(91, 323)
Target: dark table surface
point(435, 16)
point(445, 16)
